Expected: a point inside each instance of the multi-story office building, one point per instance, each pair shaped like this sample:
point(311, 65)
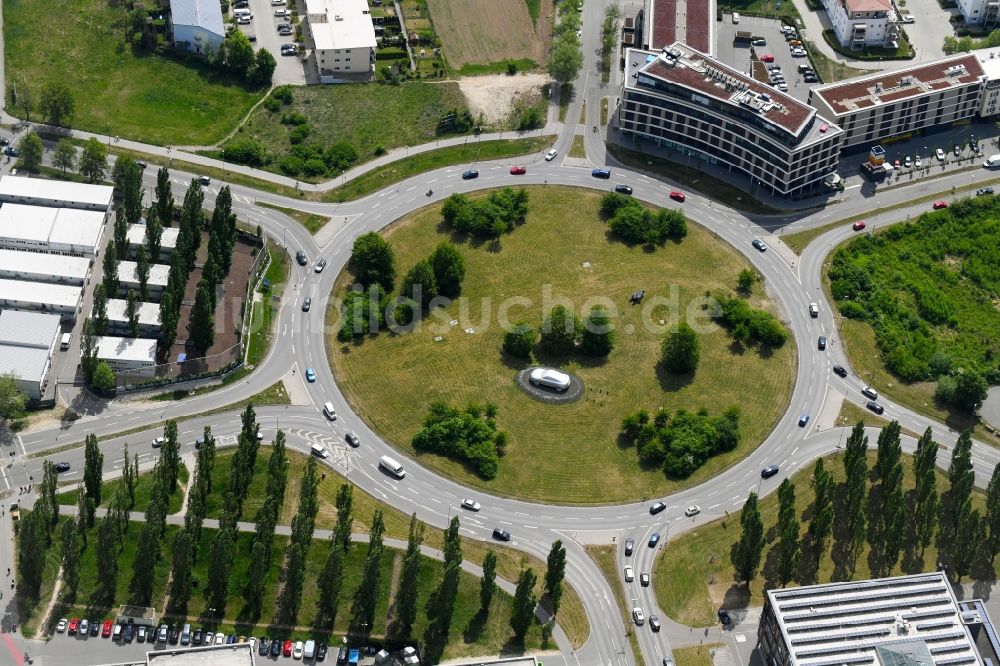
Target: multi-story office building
point(890, 621)
point(879, 106)
point(688, 102)
point(861, 23)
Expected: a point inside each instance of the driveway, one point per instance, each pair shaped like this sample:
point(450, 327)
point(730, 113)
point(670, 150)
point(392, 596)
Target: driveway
point(928, 31)
point(265, 27)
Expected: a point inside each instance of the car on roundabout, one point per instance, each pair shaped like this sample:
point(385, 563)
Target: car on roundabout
point(644, 579)
point(769, 471)
point(551, 155)
point(629, 547)
point(638, 616)
point(629, 574)
point(984, 191)
point(692, 510)
point(803, 420)
point(859, 225)
point(821, 343)
point(550, 378)
point(623, 189)
point(310, 375)
point(352, 439)
point(62, 467)
point(518, 170)
point(759, 245)
point(654, 539)
point(938, 205)
point(874, 406)
point(500, 534)
point(654, 623)
point(470, 174)
point(471, 505)
point(678, 196)
point(840, 371)
point(656, 507)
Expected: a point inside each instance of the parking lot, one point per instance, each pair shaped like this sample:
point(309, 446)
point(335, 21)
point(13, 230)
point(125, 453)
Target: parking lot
point(738, 55)
point(264, 27)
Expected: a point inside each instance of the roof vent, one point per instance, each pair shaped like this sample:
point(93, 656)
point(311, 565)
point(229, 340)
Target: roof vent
point(878, 86)
point(338, 17)
point(906, 80)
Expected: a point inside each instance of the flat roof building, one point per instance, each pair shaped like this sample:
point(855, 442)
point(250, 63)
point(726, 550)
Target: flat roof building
point(686, 101)
point(55, 193)
point(149, 316)
point(878, 106)
point(35, 228)
point(687, 21)
point(136, 235)
point(861, 23)
point(890, 621)
point(343, 38)
point(60, 299)
point(197, 25)
point(136, 356)
point(40, 267)
point(27, 342)
point(128, 276)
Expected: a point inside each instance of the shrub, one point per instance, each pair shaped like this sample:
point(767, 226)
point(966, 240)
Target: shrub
point(634, 223)
point(245, 151)
point(560, 332)
point(681, 349)
point(419, 284)
point(340, 155)
point(283, 94)
point(511, 68)
point(373, 261)
point(598, 336)
point(291, 165)
point(293, 118)
point(469, 436)
point(314, 167)
point(449, 269)
point(500, 212)
point(299, 134)
point(760, 326)
point(681, 443)
point(853, 310)
point(520, 340)
point(363, 313)
point(272, 104)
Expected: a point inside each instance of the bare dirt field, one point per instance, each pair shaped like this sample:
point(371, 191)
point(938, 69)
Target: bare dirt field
point(493, 95)
point(485, 31)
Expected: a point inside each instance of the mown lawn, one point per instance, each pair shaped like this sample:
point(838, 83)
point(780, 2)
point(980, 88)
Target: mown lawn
point(141, 95)
point(693, 575)
point(143, 490)
point(391, 379)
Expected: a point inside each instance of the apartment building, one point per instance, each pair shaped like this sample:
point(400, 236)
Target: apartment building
point(684, 100)
point(136, 356)
point(861, 23)
point(985, 13)
point(343, 39)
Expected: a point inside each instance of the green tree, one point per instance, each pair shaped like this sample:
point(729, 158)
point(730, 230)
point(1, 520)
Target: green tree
point(100, 310)
point(565, 59)
point(203, 319)
point(554, 573)
point(182, 555)
point(609, 32)
point(745, 554)
point(263, 68)
point(12, 400)
point(293, 578)
point(142, 269)
point(856, 504)
point(94, 160)
point(111, 282)
point(141, 586)
point(239, 55)
point(449, 269)
point(789, 548)
point(970, 391)
point(93, 468)
point(220, 564)
point(304, 521)
point(70, 560)
point(88, 351)
point(373, 261)
point(488, 584)
point(107, 559)
point(598, 337)
point(170, 456)
point(32, 531)
point(132, 313)
point(821, 524)
point(522, 611)
point(56, 104)
point(746, 281)
point(104, 377)
point(891, 521)
point(520, 340)
point(993, 514)
point(367, 594)
point(344, 504)
point(559, 332)
point(119, 171)
point(330, 581)
point(926, 502)
point(681, 349)
point(420, 285)
point(65, 156)
point(164, 205)
point(31, 150)
point(441, 608)
point(277, 470)
point(406, 593)
point(24, 97)
point(968, 535)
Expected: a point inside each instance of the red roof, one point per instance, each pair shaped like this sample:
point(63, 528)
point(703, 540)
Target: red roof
point(890, 86)
point(698, 25)
point(664, 28)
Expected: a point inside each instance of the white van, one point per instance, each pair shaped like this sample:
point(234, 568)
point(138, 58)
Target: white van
point(330, 412)
point(65, 340)
point(319, 451)
point(310, 650)
point(993, 161)
point(242, 11)
point(391, 466)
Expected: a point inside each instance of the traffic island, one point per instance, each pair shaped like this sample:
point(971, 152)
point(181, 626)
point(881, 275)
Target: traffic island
point(546, 394)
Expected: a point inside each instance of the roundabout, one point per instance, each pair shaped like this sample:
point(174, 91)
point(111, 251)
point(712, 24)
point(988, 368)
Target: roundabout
point(548, 394)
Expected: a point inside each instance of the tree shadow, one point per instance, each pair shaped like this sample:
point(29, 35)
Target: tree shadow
point(476, 627)
point(671, 382)
point(770, 569)
point(736, 596)
point(737, 348)
point(840, 550)
point(808, 561)
point(512, 648)
point(875, 531)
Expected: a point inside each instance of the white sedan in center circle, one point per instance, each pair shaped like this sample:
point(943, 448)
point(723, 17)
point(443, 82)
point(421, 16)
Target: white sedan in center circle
point(551, 378)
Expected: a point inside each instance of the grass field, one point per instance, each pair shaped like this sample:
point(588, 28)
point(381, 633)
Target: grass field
point(475, 32)
point(548, 253)
point(693, 576)
point(573, 619)
point(698, 655)
point(143, 490)
point(141, 96)
point(468, 636)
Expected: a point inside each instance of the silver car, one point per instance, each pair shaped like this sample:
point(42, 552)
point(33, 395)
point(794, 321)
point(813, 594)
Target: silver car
point(551, 378)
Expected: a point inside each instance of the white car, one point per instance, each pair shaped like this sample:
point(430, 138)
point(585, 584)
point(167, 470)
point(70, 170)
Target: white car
point(208, 638)
point(638, 616)
point(471, 505)
point(277, 3)
point(551, 155)
point(918, 163)
point(939, 154)
point(297, 651)
point(61, 627)
point(551, 378)
point(692, 510)
point(158, 442)
point(220, 639)
point(244, 20)
point(281, 13)
point(629, 574)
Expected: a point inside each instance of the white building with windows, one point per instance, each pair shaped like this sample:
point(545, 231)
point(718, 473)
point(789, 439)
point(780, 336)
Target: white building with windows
point(136, 356)
point(197, 25)
point(128, 277)
point(38, 228)
point(343, 39)
point(861, 23)
point(61, 299)
point(985, 13)
point(55, 193)
point(27, 342)
point(39, 267)
point(149, 317)
point(136, 236)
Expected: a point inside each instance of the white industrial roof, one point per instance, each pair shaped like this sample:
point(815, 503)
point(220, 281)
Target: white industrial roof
point(39, 263)
point(202, 13)
point(127, 349)
point(58, 190)
point(128, 272)
point(41, 224)
point(149, 313)
point(28, 329)
point(43, 293)
point(340, 24)
point(136, 235)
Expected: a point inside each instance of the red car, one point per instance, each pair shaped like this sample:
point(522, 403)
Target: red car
point(287, 649)
point(518, 170)
point(859, 225)
point(767, 57)
point(106, 630)
point(940, 204)
point(678, 196)
point(73, 624)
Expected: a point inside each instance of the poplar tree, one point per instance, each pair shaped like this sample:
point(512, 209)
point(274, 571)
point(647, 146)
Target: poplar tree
point(746, 553)
point(821, 524)
point(406, 594)
point(926, 502)
point(788, 531)
point(856, 504)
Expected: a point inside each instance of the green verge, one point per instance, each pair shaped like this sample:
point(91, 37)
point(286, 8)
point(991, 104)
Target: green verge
point(261, 319)
point(311, 221)
point(904, 52)
point(154, 98)
point(577, 149)
point(550, 250)
point(698, 655)
point(829, 70)
point(693, 575)
point(143, 490)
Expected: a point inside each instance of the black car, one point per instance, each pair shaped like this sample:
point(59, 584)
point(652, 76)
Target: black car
point(300, 257)
point(875, 407)
point(231, 639)
point(276, 648)
point(196, 637)
point(654, 539)
point(724, 617)
point(4, 141)
point(352, 439)
point(768, 471)
point(502, 535)
point(173, 635)
point(840, 371)
point(321, 652)
point(982, 191)
point(95, 628)
point(342, 656)
point(263, 645)
point(11, 150)
point(623, 189)
point(141, 164)
point(470, 174)
point(821, 343)
point(62, 466)
point(151, 635)
point(656, 508)
point(629, 546)
point(129, 633)
point(306, 304)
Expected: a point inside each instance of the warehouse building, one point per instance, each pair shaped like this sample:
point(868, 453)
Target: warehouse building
point(38, 267)
point(149, 317)
point(136, 356)
point(27, 343)
point(168, 241)
point(52, 230)
point(55, 193)
point(696, 106)
point(61, 299)
point(128, 277)
point(890, 621)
